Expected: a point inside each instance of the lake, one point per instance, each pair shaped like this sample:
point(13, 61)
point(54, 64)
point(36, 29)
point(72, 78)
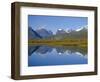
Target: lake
point(43, 55)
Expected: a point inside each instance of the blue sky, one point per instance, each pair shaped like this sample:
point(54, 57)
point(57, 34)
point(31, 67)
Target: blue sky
point(56, 22)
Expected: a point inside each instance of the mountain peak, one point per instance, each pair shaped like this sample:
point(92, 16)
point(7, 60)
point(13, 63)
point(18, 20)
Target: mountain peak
point(44, 33)
point(33, 34)
point(60, 29)
point(81, 28)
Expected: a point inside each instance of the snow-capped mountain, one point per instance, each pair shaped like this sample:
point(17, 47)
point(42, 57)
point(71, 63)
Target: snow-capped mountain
point(82, 28)
point(60, 31)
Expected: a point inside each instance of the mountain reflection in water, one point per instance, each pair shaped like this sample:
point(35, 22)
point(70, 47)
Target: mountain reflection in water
point(40, 55)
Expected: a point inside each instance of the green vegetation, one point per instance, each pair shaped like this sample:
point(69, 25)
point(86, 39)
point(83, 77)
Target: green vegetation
point(68, 42)
point(72, 39)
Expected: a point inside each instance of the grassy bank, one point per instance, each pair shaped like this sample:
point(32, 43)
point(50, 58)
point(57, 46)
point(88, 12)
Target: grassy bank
point(68, 42)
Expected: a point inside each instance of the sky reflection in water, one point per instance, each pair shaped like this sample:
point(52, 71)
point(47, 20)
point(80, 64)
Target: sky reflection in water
point(62, 55)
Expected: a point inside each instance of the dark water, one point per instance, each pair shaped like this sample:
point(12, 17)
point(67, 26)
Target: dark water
point(60, 55)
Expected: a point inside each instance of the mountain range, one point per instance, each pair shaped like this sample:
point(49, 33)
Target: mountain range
point(44, 33)
point(33, 34)
point(60, 34)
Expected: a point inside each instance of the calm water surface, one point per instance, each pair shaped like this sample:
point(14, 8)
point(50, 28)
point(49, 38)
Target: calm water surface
point(40, 55)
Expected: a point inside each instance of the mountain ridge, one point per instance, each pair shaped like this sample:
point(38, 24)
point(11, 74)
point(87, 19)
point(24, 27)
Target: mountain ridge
point(60, 33)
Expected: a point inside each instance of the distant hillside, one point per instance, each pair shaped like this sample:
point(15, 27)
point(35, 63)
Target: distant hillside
point(61, 34)
point(32, 34)
point(77, 34)
point(44, 33)
point(60, 31)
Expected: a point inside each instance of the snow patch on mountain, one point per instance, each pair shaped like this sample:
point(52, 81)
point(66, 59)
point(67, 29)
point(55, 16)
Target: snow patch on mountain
point(79, 29)
point(60, 29)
